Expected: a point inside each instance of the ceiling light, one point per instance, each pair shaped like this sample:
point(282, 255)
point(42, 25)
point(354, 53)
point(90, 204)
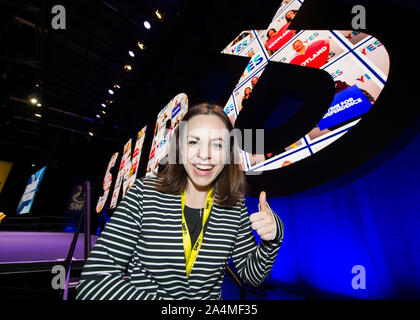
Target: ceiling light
point(127, 67)
point(39, 105)
point(103, 105)
point(147, 25)
point(117, 86)
point(158, 14)
point(91, 133)
point(141, 45)
point(103, 112)
point(34, 100)
point(98, 116)
point(38, 115)
point(131, 53)
point(111, 91)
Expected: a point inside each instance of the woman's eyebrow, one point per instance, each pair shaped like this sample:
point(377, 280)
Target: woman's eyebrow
point(198, 138)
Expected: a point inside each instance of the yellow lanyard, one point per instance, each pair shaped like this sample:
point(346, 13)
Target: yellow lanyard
point(191, 255)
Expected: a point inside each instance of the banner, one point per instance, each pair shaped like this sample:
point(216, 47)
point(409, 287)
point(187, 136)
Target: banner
point(76, 201)
point(28, 196)
point(5, 168)
point(347, 104)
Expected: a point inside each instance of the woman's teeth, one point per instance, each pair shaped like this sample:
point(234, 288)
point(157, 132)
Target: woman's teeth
point(203, 167)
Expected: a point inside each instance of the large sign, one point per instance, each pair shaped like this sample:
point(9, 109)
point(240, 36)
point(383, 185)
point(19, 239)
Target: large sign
point(167, 120)
point(357, 63)
point(127, 172)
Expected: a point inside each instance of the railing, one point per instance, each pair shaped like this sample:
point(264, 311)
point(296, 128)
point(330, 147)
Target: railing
point(84, 216)
point(238, 283)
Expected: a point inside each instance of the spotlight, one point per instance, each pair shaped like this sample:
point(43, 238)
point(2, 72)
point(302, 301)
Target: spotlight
point(159, 15)
point(34, 100)
point(131, 53)
point(103, 112)
point(147, 25)
point(38, 115)
point(39, 105)
point(127, 67)
point(117, 86)
point(103, 105)
point(98, 116)
point(91, 133)
point(111, 91)
point(141, 45)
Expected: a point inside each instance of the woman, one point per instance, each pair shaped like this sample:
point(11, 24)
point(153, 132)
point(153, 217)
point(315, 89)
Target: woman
point(290, 15)
point(271, 32)
point(156, 234)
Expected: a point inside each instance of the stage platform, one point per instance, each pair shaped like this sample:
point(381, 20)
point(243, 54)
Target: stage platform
point(22, 252)
point(27, 258)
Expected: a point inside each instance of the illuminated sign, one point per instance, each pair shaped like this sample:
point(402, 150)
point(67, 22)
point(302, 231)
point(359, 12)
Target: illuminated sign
point(28, 196)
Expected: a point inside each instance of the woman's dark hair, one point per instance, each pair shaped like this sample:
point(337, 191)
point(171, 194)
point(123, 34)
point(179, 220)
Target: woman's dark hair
point(268, 32)
point(288, 19)
point(229, 186)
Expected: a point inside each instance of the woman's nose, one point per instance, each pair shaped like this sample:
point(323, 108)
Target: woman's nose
point(204, 153)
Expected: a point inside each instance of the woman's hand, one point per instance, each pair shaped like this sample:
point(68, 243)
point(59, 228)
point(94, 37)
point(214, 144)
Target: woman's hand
point(263, 221)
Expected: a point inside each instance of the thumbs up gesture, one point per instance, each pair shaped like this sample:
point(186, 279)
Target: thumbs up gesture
point(262, 221)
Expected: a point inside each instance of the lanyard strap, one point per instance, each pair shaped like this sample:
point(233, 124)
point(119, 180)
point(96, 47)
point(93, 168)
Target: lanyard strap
point(191, 254)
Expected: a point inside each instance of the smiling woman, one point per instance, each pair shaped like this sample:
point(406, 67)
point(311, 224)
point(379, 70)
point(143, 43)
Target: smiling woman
point(174, 234)
point(204, 154)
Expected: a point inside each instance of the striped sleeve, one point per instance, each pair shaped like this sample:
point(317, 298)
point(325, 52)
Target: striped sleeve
point(254, 262)
point(102, 275)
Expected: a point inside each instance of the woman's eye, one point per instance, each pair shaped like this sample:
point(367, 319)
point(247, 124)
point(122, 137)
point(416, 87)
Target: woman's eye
point(217, 146)
point(192, 142)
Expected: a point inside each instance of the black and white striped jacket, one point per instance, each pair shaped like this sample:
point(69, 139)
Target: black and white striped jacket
point(144, 239)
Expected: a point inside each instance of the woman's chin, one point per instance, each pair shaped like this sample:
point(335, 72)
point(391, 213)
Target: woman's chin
point(203, 180)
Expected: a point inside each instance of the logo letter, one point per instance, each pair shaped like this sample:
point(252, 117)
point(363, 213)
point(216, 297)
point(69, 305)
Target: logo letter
point(359, 20)
point(359, 280)
point(59, 20)
point(59, 280)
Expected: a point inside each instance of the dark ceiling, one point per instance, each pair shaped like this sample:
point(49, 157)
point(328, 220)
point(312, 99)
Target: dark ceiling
point(71, 70)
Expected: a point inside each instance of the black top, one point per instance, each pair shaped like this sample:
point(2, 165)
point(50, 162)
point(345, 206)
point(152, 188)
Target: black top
point(194, 219)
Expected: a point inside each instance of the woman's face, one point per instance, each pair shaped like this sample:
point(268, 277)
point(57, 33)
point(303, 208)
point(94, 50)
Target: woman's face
point(205, 149)
point(298, 45)
point(290, 15)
